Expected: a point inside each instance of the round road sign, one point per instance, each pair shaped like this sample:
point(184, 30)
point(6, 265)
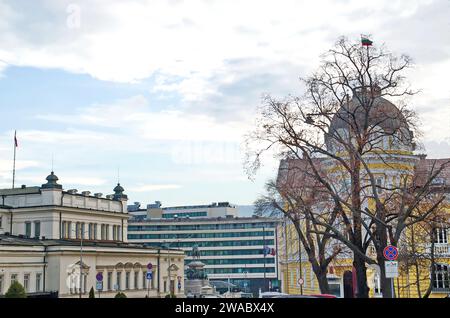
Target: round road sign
point(99, 277)
point(390, 253)
point(149, 266)
point(300, 281)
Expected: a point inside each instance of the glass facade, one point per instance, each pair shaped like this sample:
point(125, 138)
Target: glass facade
point(199, 235)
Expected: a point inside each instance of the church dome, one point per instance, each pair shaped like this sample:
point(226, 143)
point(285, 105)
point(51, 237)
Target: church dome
point(383, 114)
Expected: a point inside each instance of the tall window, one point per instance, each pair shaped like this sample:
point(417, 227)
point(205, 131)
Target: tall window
point(28, 229)
point(144, 280)
point(118, 281)
point(109, 280)
point(37, 228)
point(441, 279)
point(83, 230)
point(1, 221)
point(90, 230)
point(77, 230)
point(64, 229)
point(136, 280)
point(38, 281)
point(379, 182)
point(1, 283)
point(106, 232)
point(69, 229)
point(26, 282)
point(440, 235)
point(127, 280)
point(13, 278)
point(95, 231)
point(102, 231)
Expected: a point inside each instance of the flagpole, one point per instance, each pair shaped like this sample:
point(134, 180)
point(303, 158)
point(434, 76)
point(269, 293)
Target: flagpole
point(14, 161)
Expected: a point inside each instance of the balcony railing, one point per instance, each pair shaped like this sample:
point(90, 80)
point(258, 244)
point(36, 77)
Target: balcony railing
point(440, 249)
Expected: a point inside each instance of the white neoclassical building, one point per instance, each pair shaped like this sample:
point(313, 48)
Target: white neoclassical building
point(57, 242)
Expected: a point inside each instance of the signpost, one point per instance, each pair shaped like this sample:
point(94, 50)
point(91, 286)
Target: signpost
point(149, 277)
point(99, 283)
point(390, 253)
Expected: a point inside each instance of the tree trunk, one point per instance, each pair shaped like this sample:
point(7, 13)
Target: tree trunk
point(361, 278)
point(323, 281)
point(385, 283)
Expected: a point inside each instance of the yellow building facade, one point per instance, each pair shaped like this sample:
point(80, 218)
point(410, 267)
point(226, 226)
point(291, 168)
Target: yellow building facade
point(390, 166)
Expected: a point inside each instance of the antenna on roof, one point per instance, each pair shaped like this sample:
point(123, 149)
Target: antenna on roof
point(52, 161)
point(118, 174)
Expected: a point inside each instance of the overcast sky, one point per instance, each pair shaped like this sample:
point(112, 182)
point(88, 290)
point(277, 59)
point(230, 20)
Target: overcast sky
point(164, 91)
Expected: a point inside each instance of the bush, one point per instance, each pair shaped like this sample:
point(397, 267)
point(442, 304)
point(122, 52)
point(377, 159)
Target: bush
point(171, 296)
point(92, 293)
point(120, 295)
point(16, 290)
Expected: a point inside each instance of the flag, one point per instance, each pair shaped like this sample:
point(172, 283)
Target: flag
point(365, 41)
point(272, 252)
point(266, 250)
point(15, 139)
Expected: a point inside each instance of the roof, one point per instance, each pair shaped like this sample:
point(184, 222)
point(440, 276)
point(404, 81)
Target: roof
point(13, 240)
point(202, 219)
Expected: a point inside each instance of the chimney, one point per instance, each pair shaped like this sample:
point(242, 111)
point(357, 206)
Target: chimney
point(86, 193)
point(72, 191)
point(23, 186)
point(98, 195)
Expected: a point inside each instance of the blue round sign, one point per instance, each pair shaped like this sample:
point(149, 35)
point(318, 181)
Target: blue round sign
point(99, 277)
point(390, 252)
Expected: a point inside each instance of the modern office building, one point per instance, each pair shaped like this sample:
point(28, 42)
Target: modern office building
point(236, 250)
point(55, 243)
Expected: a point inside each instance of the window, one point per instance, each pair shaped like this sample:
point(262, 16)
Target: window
point(13, 278)
point(28, 229)
point(109, 280)
point(1, 284)
point(106, 232)
point(37, 228)
point(77, 230)
point(441, 279)
point(26, 282)
point(38, 281)
point(95, 231)
point(63, 229)
point(91, 231)
point(144, 280)
point(1, 223)
point(69, 229)
point(440, 235)
point(136, 280)
point(118, 282)
point(165, 286)
point(83, 230)
point(127, 280)
point(379, 183)
point(84, 283)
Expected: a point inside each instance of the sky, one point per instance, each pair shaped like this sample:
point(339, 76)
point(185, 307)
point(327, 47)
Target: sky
point(160, 94)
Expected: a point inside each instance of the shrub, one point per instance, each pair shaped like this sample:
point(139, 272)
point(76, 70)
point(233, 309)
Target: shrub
point(120, 295)
point(92, 293)
point(16, 290)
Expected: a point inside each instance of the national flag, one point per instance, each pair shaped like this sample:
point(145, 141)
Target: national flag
point(266, 250)
point(15, 139)
point(365, 41)
point(272, 252)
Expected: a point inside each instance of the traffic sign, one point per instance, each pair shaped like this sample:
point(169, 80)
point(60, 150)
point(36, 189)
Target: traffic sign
point(390, 253)
point(149, 266)
point(391, 269)
point(179, 285)
point(149, 275)
point(99, 277)
point(300, 282)
point(99, 285)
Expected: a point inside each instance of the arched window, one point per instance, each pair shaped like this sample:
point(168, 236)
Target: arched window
point(441, 281)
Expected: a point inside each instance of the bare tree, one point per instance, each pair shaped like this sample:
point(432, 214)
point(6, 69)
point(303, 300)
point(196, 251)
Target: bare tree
point(297, 202)
point(344, 126)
